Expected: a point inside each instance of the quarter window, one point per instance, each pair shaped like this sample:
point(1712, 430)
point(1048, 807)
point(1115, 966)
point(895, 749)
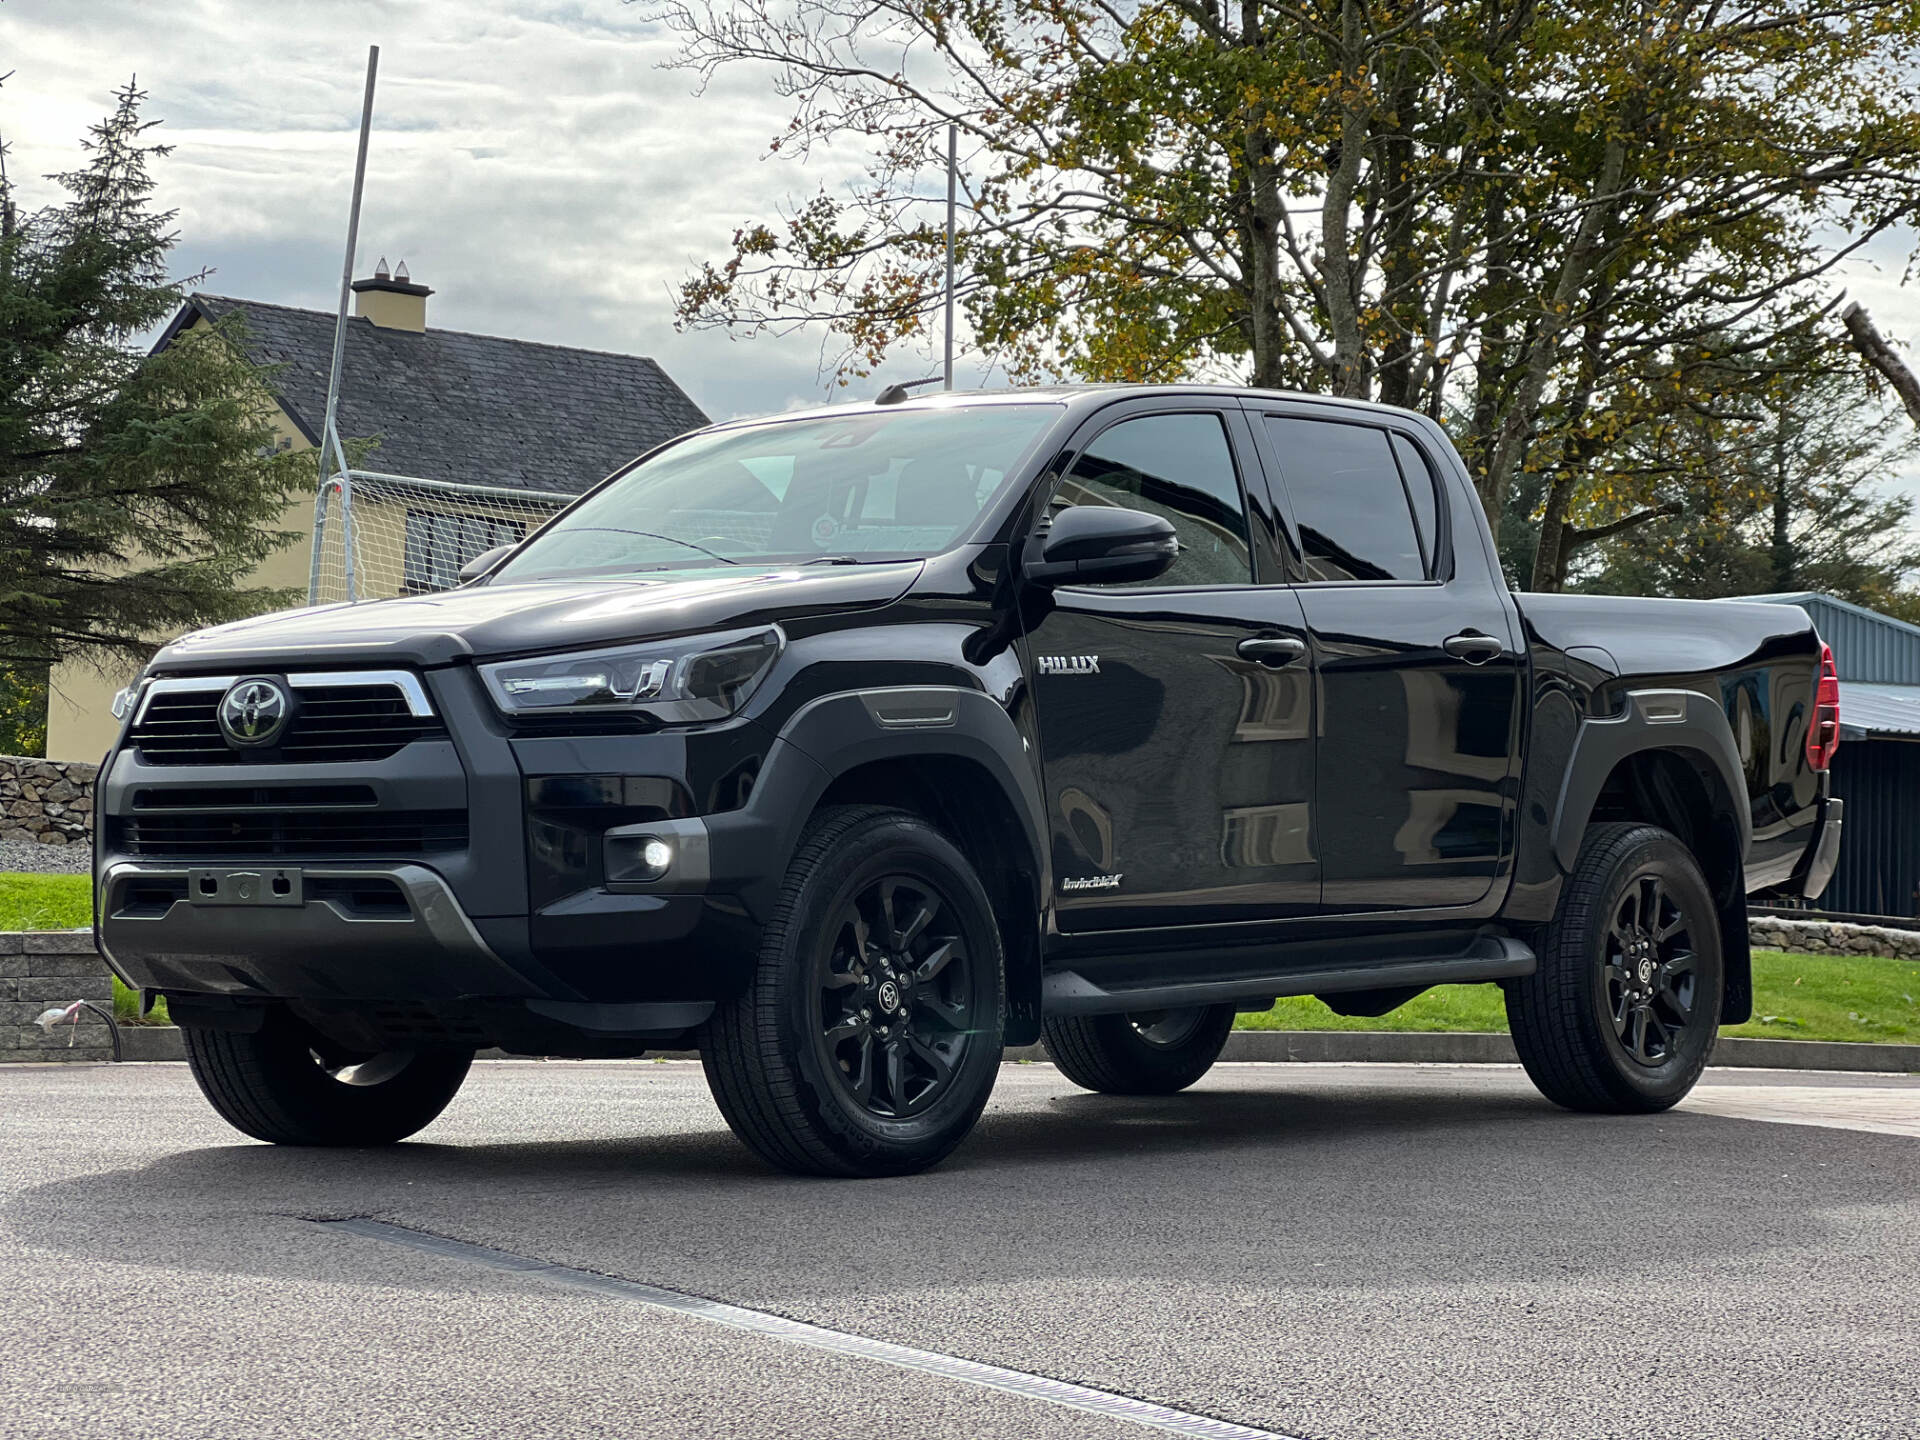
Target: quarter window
point(1178, 467)
point(1418, 474)
point(1352, 511)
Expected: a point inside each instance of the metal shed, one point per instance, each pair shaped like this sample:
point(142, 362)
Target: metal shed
point(1877, 769)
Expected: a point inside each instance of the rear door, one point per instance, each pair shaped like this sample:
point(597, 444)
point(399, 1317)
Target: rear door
point(1418, 662)
point(1175, 715)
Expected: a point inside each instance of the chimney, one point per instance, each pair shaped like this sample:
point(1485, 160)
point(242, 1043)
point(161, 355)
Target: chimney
point(392, 301)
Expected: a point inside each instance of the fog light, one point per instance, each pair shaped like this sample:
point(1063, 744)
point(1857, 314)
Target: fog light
point(641, 858)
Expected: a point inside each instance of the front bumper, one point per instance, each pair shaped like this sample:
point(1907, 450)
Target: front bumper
point(495, 923)
point(417, 944)
point(420, 968)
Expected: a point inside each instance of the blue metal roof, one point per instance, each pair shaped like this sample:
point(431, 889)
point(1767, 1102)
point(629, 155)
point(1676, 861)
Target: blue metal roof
point(1867, 646)
point(1879, 709)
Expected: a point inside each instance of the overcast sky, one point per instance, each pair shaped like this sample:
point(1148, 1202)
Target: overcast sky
point(532, 162)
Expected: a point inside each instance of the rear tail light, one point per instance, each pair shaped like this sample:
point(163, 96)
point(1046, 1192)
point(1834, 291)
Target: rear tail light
point(1823, 733)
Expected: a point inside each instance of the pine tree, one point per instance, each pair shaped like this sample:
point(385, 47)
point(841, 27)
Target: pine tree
point(137, 492)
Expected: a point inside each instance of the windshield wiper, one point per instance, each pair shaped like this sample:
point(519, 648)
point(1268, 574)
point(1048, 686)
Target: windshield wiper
point(834, 560)
point(670, 539)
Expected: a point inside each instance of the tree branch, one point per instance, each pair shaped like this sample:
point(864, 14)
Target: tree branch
point(1873, 346)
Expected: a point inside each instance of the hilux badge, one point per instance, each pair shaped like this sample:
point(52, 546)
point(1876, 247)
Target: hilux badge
point(1068, 664)
point(253, 712)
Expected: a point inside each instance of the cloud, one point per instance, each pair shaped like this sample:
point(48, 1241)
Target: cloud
point(532, 160)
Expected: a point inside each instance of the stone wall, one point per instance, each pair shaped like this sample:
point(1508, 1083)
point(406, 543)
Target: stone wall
point(1832, 937)
point(43, 969)
point(50, 801)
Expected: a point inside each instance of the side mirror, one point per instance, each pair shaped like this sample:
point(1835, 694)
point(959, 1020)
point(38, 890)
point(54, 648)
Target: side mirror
point(1103, 544)
point(483, 562)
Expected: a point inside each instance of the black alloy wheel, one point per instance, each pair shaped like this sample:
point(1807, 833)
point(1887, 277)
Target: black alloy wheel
point(1168, 1029)
point(897, 997)
point(1621, 1014)
point(868, 1038)
point(1651, 987)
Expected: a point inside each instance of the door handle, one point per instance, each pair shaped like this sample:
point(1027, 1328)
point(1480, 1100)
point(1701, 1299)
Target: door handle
point(1472, 647)
point(1273, 651)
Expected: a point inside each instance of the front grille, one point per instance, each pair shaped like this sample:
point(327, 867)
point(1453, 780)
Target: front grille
point(227, 797)
point(343, 723)
point(278, 835)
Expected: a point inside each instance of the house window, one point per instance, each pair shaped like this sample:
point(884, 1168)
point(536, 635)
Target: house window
point(439, 544)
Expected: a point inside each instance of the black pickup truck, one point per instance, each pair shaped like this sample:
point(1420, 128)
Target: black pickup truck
point(851, 746)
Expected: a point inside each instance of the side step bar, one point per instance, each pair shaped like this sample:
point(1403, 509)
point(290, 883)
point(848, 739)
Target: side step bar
point(1067, 992)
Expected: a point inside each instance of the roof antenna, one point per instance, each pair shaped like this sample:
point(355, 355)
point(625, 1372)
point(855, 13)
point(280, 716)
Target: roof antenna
point(894, 394)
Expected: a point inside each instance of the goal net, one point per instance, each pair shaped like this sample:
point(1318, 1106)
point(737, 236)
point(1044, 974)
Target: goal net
point(377, 536)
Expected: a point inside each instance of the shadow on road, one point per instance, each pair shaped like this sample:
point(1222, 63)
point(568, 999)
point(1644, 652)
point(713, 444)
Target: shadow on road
point(1336, 1185)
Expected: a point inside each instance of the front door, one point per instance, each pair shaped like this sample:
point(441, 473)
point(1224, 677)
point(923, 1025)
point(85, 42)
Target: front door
point(1176, 715)
point(1418, 666)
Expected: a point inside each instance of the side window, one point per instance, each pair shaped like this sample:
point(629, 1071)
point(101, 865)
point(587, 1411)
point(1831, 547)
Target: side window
point(1348, 502)
point(1421, 489)
point(1179, 467)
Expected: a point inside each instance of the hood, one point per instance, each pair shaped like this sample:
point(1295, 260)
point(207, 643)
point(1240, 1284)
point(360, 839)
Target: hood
point(492, 621)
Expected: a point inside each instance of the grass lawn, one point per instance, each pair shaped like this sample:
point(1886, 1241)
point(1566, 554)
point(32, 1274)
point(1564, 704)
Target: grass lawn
point(45, 902)
point(1797, 997)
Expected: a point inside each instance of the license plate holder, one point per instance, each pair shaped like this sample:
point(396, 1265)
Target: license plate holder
point(254, 886)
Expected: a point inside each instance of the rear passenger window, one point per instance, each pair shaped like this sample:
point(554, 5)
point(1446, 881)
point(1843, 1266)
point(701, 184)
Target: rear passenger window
point(1352, 511)
point(1178, 467)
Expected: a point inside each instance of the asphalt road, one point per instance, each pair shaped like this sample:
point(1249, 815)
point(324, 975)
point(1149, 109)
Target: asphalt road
point(1319, 1251)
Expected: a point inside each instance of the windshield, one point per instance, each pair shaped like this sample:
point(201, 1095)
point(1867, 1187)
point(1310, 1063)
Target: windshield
point(844, 488)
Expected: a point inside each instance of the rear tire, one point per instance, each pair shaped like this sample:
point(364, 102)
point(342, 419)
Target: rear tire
point(286, 1085)
point(868, 1040)
point(1623, 1011)
point(1159, 1052)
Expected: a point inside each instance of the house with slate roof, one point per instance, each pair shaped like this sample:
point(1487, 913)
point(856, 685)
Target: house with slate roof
point(502, 418)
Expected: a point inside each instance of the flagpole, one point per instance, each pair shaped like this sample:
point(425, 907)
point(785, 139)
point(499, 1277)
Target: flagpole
point(329, 433)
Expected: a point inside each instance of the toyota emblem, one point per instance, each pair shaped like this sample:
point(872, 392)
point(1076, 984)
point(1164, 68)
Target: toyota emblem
point(254, 712)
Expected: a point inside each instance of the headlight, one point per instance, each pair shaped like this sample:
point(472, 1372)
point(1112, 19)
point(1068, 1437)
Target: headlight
point(676, 682)
point(126, 698)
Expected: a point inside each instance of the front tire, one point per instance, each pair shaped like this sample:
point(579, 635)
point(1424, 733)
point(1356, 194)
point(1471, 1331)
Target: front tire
point(287, 1085)
point(1158, 1052)
point(1623, 1011)
point(868, 1039)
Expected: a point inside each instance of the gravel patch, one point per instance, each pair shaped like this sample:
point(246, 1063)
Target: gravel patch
point(33, 858)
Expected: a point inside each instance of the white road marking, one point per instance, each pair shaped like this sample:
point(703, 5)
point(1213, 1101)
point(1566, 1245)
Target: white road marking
point(1883, 1110)
point(798, 1332)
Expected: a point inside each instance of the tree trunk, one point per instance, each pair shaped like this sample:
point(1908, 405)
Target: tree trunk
point(1267, 336)
point(1522, 411)
point(1883, 357)
point(1782, 549)
point(1336, 262)
point(1549, 565)
point(1401, 258)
